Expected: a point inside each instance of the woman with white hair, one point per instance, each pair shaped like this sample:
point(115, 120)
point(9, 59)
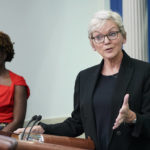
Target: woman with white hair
point(111, 99)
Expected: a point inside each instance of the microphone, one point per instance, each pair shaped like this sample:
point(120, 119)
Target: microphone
point(32, 119)
point(37, 119)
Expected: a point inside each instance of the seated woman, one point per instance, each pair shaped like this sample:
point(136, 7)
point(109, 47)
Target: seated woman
point(13, 90)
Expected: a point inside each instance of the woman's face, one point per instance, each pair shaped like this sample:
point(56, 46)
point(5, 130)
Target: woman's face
point(109, 48)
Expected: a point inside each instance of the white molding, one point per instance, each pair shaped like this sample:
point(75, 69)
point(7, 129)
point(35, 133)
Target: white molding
point(136, 24)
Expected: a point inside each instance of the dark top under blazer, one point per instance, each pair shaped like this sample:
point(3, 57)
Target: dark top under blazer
point(133, 78)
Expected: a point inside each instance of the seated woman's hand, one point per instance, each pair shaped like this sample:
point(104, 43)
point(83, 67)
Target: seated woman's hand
point(35, 129)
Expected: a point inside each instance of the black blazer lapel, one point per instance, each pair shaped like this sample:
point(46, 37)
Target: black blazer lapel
point(124, 77)
point(90, 87)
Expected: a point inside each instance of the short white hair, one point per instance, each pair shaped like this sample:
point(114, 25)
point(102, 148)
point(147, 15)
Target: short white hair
point(99, 19)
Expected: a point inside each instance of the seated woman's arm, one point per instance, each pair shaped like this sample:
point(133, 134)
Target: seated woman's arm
point(19, 110)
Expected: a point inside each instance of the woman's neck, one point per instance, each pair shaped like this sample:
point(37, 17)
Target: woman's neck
point(3, 70)
point(112, 66)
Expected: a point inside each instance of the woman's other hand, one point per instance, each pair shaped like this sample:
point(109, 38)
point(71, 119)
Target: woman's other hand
point(35, 129)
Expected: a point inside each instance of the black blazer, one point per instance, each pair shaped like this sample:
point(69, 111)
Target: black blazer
point(133, 78)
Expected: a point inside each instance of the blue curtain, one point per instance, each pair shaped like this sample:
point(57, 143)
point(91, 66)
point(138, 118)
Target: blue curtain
point(116, 5)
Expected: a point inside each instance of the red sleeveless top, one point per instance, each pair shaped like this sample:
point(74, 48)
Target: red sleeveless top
point(7, 97)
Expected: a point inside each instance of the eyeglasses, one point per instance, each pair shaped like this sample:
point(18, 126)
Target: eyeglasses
point(100, 38)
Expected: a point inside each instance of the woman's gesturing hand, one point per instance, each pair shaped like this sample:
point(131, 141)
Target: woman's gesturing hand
point(125, 114)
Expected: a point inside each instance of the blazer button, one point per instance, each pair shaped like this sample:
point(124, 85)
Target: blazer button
point(118, 133)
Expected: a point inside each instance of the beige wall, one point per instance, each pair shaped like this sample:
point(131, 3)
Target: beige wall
point(51, 46)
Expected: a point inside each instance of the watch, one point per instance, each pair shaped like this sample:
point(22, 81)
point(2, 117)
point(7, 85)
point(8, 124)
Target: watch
point(134, 121)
